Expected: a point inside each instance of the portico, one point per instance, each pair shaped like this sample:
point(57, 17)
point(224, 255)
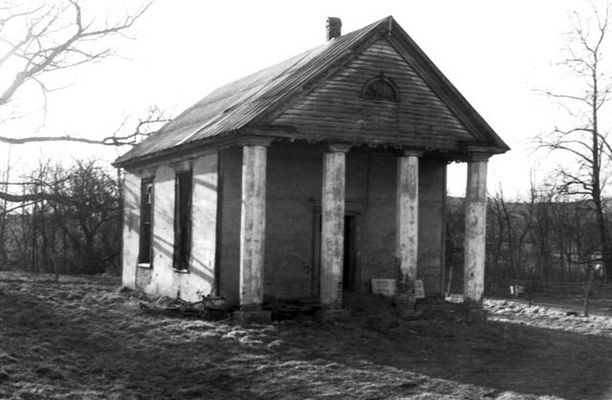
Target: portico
point(333, 199)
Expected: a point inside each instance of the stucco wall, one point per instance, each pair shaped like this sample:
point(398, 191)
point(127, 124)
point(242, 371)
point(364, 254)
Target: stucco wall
point(204, 217)
point(377, 228)
point(229, 248)
point(131, 228)
point(294, 179)
point(161, 278)
point(376, 173)
point(432, 186)
point(294, 188)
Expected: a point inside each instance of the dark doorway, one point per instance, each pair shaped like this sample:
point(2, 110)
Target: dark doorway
point(349, 273)
point(350, 278)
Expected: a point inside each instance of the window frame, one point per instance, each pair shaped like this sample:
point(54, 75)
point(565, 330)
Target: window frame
point(145, 239)
point(183, 198)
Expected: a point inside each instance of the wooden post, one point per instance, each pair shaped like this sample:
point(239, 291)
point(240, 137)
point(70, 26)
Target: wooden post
point(332, 230)
point(475, 228)
point(253, 226)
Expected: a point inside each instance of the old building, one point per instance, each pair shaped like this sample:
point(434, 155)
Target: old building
point(309, 178)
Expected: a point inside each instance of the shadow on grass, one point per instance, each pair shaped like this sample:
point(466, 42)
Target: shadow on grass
point(86, 351)
point(67, 345)
point(501, 356)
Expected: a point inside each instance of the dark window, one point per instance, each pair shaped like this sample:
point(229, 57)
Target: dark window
point(146, 205)
point(380, 88)
point(182, 219)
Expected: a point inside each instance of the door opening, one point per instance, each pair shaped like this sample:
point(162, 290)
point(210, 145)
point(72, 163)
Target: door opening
point(349, 272)
point(350, 275)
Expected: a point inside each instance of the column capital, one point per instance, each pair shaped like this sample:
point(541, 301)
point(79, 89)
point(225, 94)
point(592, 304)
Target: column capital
point(338, 148)
point(479, 156)
point(255, 141)
point(407, 152)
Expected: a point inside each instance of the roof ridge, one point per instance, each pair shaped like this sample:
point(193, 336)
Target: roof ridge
point(281, 74)
point(364, 31)
point(254, 100)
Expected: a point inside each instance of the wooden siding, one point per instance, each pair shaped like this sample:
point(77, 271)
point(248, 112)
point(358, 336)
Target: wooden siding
point(336, 110)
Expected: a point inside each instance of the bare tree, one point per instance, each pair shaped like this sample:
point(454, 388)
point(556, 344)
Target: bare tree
point(583, 138)
point(541, 231)
point(40, 39)
point(75, 228)
point(509, 228)
point(4, 208)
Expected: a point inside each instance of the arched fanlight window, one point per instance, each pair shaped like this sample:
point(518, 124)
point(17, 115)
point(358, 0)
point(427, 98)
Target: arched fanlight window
point(380, 88)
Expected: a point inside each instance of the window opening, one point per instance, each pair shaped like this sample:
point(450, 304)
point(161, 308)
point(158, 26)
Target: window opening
point(182, 220)
point(146, 214)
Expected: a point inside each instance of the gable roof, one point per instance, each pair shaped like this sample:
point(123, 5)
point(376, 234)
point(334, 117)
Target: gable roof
point(250, 102)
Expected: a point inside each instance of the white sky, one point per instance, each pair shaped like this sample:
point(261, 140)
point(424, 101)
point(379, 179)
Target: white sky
point(495, 52)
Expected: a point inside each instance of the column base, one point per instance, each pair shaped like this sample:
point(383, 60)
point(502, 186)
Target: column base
point(473, 311)
point(406, 304)
point(253, 316)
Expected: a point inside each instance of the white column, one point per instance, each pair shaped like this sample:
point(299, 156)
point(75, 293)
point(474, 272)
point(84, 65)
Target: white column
point(332, 230)
point(252, 226)
point(407, 218)
point(475, 228)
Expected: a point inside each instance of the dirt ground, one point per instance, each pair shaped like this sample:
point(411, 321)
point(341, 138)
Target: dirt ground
point(87, 339)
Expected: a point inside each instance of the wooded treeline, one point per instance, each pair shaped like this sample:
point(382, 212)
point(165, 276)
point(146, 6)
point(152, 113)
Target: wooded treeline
point(546, 238)
point(71, 222)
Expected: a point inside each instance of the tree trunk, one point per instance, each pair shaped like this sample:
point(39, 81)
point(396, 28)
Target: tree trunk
point(587, 291)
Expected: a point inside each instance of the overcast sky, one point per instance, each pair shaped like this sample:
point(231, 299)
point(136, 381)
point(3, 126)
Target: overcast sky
point(497, 53)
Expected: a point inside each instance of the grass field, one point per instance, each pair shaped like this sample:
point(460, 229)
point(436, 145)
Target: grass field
point(88, 339)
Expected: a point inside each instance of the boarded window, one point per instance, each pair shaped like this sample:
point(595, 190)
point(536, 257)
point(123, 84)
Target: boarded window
point(146, 206)
point(182, 219)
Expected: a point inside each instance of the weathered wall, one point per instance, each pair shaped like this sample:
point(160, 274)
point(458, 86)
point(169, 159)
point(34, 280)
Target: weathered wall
point(293, 199)
point(377, 224)
point(432, 186)
point(294, 179)
point(161, 278)
point(291, 189)
point(377, 231)
point(204, 217)
point(229, 249)
point(131, 228)
point(294, 188)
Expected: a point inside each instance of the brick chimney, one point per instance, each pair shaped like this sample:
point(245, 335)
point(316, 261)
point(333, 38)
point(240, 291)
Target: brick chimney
point(333, 28)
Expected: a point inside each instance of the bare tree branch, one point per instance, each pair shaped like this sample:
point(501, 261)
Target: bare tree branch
point(45, 47)
point(144, 127)
point(586, 140)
